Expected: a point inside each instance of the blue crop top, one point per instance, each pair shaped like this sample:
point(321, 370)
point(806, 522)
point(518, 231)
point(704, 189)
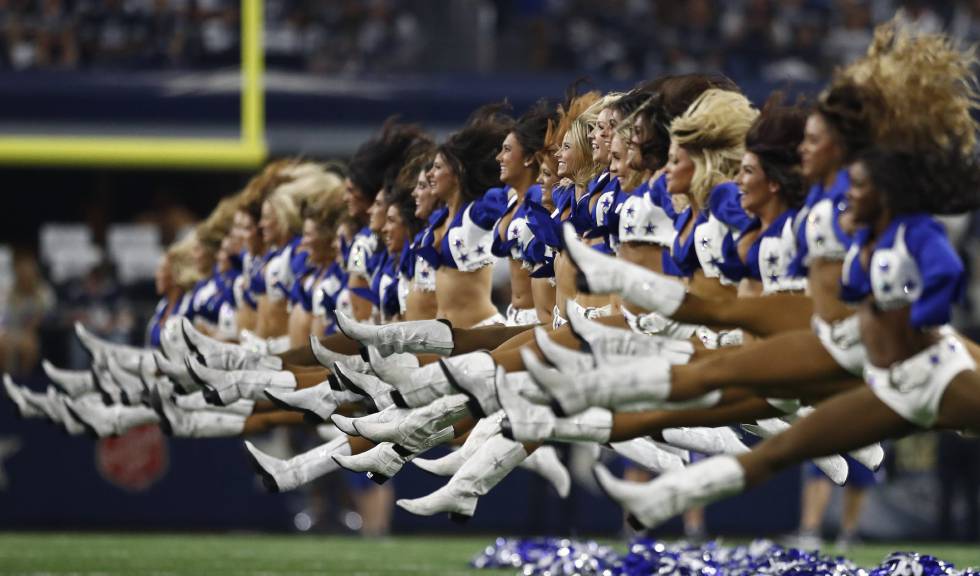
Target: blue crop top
point(713, 240)
point(912, 264)
point(466, 245)
point(818, 230)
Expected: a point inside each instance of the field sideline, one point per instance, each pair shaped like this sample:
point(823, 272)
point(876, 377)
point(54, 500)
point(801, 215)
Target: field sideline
point(274, 555)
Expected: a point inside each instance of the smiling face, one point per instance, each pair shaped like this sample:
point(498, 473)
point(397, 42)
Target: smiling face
point(376, 214)
point(357, 201)
point(568, 157)
point(315, 240)
point(679, 170)
point(394, 231)
point(425, 200)
point(272, 229)
point(820, 154)
point(601, 135)
point(442, 179)
point(756, 188)
point(512, 161)
point(245, 228)
point(618, 157)
point(864, 203)
point(634, 154)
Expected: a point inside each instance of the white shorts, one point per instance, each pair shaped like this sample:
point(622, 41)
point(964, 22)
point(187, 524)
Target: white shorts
point(914, 387)
point(495, 320)
point(654, 324)
point(521, 316)
point(842, 340)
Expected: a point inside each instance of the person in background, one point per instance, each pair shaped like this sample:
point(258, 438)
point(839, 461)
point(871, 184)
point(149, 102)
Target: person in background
point(29, 302)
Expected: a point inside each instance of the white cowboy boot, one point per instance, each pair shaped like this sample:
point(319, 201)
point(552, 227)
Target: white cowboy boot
point(196, 401)
point(317, 403)
point(176, 372)
point(835, 467)
point(562, 358)
point(203, 346)
point(421, 386)
point(103, 421)
point(327, 357)
point(418, 336)
point(684, 455)
point(527, 422)
point(871, 457)
point(61, 415)
point(648, 454)
point(213, 423)
point(99, 348)
point(72, 382)
point(111, 392)
point(484, 470)
point(366, 385)
point(652, 503)
point(223, 388)
point(602, 274)
point(393, 367)
point(252, 342)
point(391, 414)
point(609, 345)
point(721, 440)
point(642, 380)
point(29, 404)
point(473, 374)
point(417, 425)
point(284, 475)
point(450, 463)
point(545, 463)
point(172, 340)
point(131, 386)
point(386, 459)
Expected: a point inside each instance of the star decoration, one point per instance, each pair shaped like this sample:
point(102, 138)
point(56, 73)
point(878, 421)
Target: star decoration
point(910, 286)
point(934, 360)
point(464, 258)
point(425, 273)
point(8, 447)
point(480, 250)
point(715, 262)
point(650, 228)
point(772, 259)
point(459, 243)
point(705, 242)
point(606, 204)
point(630, 211)
point(820, 240)
point(886, 288)
point(774, 278)
point(629, 228)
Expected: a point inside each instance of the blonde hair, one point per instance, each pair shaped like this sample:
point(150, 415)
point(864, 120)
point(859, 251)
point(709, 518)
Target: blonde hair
point(183, 268)
point(712, 131)
point(305, 183)
point(928, 86)
point(327, 208)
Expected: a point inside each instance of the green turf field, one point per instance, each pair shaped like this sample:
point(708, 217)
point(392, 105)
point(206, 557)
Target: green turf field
point(263, 555)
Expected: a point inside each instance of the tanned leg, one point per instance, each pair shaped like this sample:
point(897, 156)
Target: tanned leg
point(783, 359)
point(761, 315)
point(486, 338)
point(258, 423)
point(737, 406)
point(843, 423)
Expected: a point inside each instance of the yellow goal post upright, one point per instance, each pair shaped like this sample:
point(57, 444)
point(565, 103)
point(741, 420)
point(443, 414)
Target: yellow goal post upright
point(247, 151)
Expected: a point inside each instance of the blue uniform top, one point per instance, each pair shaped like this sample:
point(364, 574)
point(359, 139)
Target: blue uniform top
point(712, 241)
point(771, 253)
point(912, 264)
point(818, 230)
point(156, 323)
point(467, 243)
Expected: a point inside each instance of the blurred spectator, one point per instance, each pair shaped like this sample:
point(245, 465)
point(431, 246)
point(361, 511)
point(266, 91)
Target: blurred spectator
point(623, 39)
point(98, 302)
point(28, 304)
point(959, 478)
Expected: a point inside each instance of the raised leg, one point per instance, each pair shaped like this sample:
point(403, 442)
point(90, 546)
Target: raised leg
point(868, 420)
point(761, 315)
point(781, 360)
